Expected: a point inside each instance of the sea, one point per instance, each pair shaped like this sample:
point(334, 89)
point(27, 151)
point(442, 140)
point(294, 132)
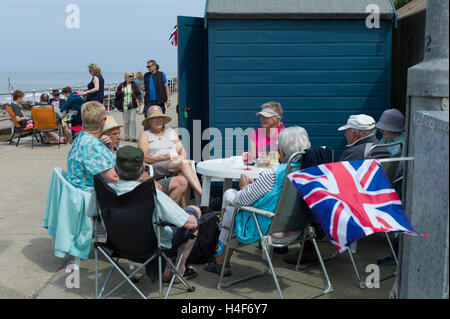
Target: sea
point(28, 81)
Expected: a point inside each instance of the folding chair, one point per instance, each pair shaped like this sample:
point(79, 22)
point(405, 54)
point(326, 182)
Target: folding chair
point(390, 169)
point(65, 217)
point(389, 166)
point(288, 216)
point(128, 220)
point(17, 127)
point(44, 120)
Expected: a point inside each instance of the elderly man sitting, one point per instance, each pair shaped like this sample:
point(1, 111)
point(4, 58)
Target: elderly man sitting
point(360, 135)
point(129, 168)
point(262, 193)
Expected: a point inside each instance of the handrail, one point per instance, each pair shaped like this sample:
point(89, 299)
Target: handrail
point(109, 87)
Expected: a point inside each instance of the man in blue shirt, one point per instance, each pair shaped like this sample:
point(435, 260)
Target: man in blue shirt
point(155, 87)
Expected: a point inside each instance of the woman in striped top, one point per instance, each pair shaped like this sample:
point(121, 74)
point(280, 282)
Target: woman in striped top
point(262, 193)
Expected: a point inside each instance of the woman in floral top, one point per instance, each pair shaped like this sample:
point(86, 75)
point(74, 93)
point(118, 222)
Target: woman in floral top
point(88, 155)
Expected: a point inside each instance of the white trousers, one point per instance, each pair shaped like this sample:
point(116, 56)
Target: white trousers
point(129, 123)
point(227, 218)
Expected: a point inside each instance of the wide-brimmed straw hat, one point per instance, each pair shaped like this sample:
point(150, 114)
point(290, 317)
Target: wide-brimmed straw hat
point(111, 123)
point(155, 111)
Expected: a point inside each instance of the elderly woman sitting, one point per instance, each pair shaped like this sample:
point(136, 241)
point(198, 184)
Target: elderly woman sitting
point(264, 139)
point(163, 149)
point(391, 126)
point(88, 155)
point(262, 193)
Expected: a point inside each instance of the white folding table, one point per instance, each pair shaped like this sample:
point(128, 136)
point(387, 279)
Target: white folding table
point(226, 169)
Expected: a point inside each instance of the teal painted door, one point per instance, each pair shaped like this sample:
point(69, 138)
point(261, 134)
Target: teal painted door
point(192, 80)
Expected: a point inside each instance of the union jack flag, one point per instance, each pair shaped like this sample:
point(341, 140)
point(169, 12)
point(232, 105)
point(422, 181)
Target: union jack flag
point(173, 39)
point(352, 200)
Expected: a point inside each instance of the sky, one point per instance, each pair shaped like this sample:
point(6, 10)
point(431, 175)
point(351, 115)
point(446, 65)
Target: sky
point(39, 35)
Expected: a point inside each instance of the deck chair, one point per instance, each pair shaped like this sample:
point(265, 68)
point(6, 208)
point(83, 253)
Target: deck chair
point(44, 119)
point(128, 220)
point(288, 216)
point(17, 128)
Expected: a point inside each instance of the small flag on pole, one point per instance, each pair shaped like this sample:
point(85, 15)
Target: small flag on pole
point(173, 39)
point(352, 200)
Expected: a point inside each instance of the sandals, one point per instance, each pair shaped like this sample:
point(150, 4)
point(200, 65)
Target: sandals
point(189, 273)
point(217, 268)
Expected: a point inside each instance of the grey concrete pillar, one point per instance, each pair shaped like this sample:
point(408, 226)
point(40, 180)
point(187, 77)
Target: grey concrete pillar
point(424, 261)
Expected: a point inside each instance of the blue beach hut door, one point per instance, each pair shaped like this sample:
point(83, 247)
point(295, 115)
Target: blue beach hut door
point(192, 80)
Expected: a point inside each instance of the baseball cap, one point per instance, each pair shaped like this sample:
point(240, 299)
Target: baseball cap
point(391, 120)
point(360, 122)
point(129, 159)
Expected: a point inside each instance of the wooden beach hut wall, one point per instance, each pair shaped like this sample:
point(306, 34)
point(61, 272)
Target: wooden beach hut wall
point(318, 58)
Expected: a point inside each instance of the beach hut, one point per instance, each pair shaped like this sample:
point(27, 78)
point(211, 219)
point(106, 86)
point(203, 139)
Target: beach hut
point(322, 60)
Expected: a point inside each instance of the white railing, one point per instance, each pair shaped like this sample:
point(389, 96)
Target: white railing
point(110, 89)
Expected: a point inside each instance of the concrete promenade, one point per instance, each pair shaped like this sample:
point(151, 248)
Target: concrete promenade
point(29, 268)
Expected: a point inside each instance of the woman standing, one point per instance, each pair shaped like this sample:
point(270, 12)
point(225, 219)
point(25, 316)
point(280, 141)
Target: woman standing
point(127, 98)
point(96, 87)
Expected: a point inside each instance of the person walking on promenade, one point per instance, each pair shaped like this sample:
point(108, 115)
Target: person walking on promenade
point(155, 87)
point(127, 98)
point(139, 80)
point(96, 87)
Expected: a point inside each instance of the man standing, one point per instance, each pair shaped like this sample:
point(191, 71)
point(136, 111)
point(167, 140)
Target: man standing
point(56, 101)
point(155, 87)
point(360, 135)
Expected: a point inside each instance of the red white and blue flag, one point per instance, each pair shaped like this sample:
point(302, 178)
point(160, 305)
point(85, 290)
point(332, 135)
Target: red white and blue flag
point(352, 200)
point(173, 39)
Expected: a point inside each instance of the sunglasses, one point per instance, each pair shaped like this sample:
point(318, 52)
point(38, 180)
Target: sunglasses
point(149, 66)
point(131, 76)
